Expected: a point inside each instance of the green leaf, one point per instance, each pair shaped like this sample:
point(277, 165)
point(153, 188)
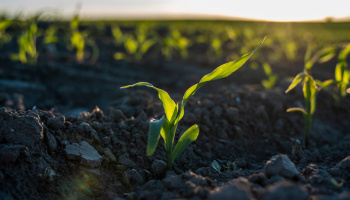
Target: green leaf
point(297, 109)
point(344, 53)
point(309, 90)
point(170, 108)
point(187, 138)
point(219, 73)
point(326, 54)
point(153, 135)
point(216, 166)
point(295, 81)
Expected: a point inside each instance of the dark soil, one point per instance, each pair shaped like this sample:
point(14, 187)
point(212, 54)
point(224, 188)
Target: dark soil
point(55, 144)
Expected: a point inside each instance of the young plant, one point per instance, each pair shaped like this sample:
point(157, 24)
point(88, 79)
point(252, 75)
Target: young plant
point(309, 91)
point(216, 166)
point(136, 46)
point(4, 24)
point(320, 56)
point(271, 77)
point(342, 76)
point(166, 125)
point(175, 41)
point(27, 52)
point(79, 41)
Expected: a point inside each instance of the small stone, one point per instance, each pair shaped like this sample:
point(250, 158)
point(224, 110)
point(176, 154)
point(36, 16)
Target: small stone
point(110, 155)
point(133, 177)
point(285, 190)
point(125, 160)
point(232, 114)
point(85, 152)
point(10, 153)
point(236, 189)
point(190, 118)
point(260, 111)
point(217, 111)
point(206, 103)
point(281, 165)
point(159, 168)
point(51, 142)
point(89, 132)
point(56, 122)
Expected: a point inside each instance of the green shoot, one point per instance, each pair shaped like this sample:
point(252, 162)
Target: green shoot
point(27, 45)
point(77, 39)
point(320, 56)
point(166, 126)
point(271, 78)
point(4, 24)
point(50, 35)
point(309, 91)
point(136, 46)
point(175, 41)
point(216, 166)
point(342, 74)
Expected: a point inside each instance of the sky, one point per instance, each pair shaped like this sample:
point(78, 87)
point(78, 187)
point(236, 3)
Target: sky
point(273, 10)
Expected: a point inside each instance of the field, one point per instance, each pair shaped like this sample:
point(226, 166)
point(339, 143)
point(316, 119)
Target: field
point(68, 130)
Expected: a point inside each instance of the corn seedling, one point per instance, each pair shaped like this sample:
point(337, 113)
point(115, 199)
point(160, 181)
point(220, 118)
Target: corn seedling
point(309, 91)
point(320, 56)
point(342, 76)
point(175, 41)
point(79, 41)
point(50, 35)
point(166, 126)
point(27, 51)
point(271, 78)
point(4, 24)
point(135, 46)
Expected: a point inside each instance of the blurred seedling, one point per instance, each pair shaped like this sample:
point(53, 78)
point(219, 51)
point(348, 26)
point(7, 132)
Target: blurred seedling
point(175, 42)
point(271, 77)
point(321, 56)
point(27, 51)
point(309, 91)
point(4, 24)
point(342, 76)
point(136, 46)
point(166, 126)
point(79, 40)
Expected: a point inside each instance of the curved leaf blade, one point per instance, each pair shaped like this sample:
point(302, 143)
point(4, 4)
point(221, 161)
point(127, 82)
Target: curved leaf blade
point(153, 135)
point(187, 138)
point(297, 110)
point(295, 82)
point(220, 72)
point(170, 108)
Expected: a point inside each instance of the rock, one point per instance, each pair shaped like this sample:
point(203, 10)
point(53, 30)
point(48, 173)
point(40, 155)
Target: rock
point(22, 130)
point(232, 114)
point(236, 189)
point(56, 122)
point(110, 155)
point(84, 152)
point(281, 165)
point(206, 103)
point(260, 111)
point(51, 142)
point(190, 118)
point(217, 111)
point(285, 190)
point(345, 163)
point(10, 153)
point(125, 160)
point(133, 177)
point(158, 168)
point(89, 132)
